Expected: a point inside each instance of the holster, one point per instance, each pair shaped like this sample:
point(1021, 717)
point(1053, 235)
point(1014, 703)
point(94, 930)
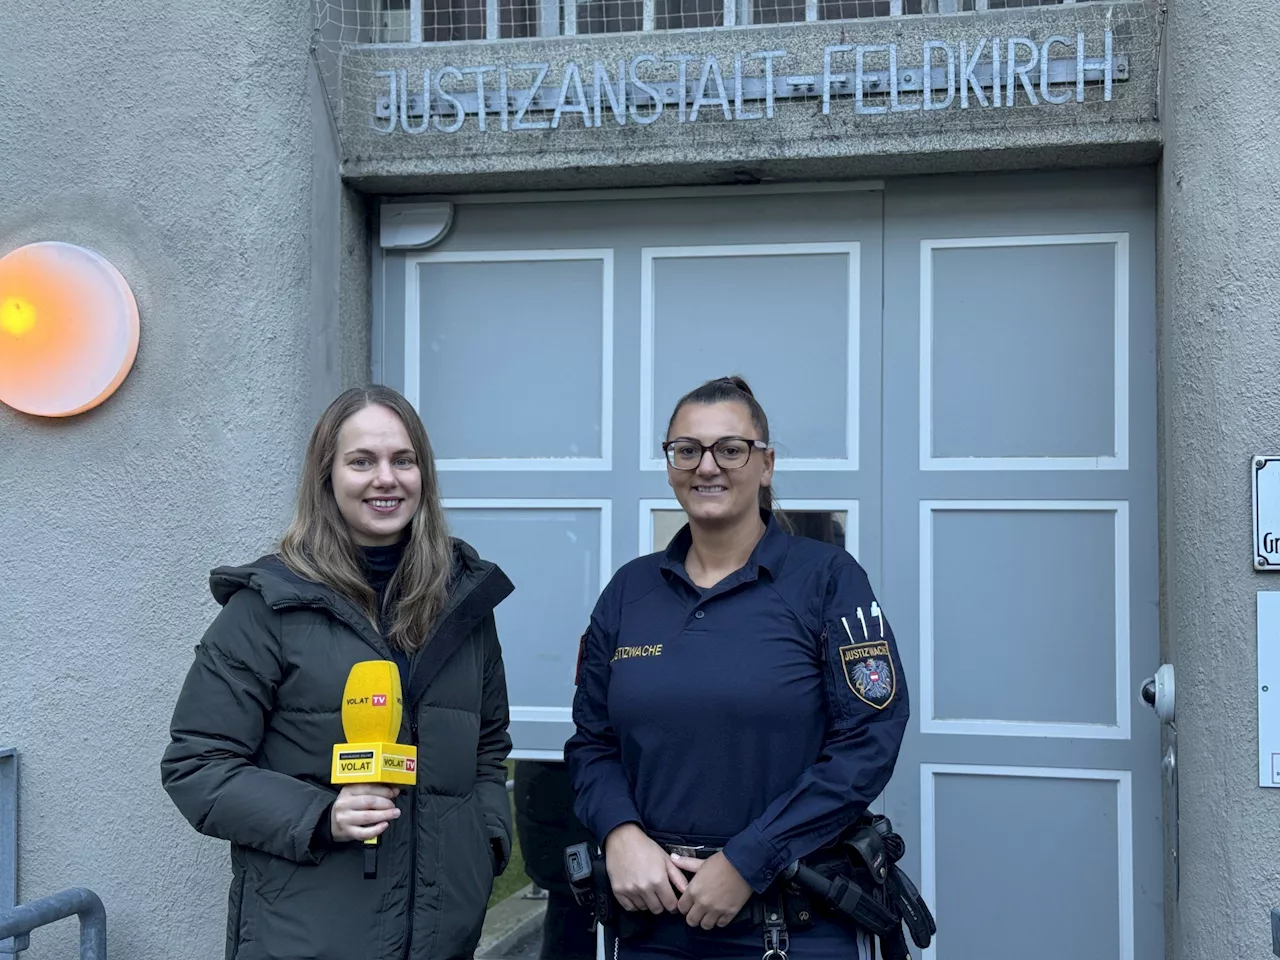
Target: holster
point(862, 886)
point(589, 881)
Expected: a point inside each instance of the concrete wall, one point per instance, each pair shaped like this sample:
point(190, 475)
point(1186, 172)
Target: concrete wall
point(339, 336)
point(355, 275)
point(180, 141)
point(800, 142)
point(1220, 354)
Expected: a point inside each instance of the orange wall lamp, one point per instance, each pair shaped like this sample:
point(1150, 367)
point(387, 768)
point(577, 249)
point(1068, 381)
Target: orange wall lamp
point(68, 329)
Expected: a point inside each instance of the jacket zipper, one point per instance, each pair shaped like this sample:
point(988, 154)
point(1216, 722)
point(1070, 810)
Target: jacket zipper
point(413, 847)
point(413, 816)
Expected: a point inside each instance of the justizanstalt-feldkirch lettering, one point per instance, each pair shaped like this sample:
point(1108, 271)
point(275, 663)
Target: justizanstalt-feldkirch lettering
point(864, 79)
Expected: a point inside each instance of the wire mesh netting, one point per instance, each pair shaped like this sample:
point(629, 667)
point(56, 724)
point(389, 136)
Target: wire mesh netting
point(441, 21)
point(594, 74)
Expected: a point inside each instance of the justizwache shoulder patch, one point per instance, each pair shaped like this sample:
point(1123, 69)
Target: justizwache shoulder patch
point(868, 669)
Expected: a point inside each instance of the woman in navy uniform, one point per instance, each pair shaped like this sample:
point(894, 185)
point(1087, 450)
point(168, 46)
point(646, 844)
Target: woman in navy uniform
point(740, 702)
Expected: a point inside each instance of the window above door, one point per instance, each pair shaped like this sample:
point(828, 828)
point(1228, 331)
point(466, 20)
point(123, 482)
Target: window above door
point(446, 21)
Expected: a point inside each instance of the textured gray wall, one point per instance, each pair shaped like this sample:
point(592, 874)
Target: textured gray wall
point(326, 224)
point(180, 142)
point(340, 331)
point(1220, 354)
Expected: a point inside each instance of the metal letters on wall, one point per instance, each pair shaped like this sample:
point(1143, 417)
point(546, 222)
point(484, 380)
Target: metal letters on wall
point(872, 78)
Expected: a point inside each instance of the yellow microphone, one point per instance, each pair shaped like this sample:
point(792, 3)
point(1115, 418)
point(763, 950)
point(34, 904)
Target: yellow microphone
point(372, 706)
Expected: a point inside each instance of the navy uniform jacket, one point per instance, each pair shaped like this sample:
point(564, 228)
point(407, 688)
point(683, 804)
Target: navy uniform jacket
point(763, 714)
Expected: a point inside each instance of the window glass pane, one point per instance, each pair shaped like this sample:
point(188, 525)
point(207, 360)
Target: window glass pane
point(828, 526)
point(391, 22)
point(610, 16)
point(792, 11)
point(387, 21)
point(517, 19)
point(777, 11)
point(852, 9)
point(452, 20)
point(678, 14)
point(969, 6)
point(666, 524)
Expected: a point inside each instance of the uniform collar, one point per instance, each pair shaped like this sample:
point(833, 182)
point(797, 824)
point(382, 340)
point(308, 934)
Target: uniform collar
point(767, 555)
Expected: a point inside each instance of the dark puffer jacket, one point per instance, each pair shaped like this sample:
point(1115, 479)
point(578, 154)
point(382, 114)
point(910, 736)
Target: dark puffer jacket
point(249, 762)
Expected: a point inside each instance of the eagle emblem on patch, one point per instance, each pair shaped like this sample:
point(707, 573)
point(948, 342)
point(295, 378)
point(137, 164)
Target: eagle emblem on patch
point(868, 669)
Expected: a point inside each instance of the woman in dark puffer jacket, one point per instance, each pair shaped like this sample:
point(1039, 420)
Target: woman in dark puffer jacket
point(366, 570)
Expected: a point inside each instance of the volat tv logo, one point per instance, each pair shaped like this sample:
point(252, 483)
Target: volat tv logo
point(355, 761)
point(377, 700)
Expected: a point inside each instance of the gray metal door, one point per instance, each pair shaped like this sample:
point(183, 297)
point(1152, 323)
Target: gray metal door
point(960, 375)
point(1021, 559)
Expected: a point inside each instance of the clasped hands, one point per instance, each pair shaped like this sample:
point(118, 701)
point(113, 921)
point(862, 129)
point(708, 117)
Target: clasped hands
point(646, 877)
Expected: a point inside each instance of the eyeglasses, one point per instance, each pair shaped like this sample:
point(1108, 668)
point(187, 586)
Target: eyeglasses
point(729, 453)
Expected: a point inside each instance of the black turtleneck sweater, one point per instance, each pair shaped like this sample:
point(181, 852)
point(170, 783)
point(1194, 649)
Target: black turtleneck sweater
point(380, 566)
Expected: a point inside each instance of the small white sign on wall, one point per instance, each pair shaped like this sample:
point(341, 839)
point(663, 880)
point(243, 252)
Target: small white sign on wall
point(1266, 513)
point(1269, 688)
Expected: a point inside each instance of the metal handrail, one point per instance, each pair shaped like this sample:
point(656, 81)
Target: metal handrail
point(9, 839)
point(19, 921)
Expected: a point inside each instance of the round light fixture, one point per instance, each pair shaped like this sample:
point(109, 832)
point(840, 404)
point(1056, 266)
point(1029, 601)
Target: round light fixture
point(68, 329)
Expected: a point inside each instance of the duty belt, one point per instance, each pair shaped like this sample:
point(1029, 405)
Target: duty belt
point(880, 907)
point(693, 853)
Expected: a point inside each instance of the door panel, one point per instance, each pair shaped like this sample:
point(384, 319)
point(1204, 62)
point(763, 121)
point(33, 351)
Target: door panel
point(1016, 329)
point(1020, 559)
point(539, 624)
point(705, 297)
point(513, 325)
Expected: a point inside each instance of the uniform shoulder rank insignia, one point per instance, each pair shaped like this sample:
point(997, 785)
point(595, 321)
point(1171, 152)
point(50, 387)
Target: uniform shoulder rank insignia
point(869, 670)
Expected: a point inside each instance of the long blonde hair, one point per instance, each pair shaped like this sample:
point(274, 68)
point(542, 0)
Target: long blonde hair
point(318, 544)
